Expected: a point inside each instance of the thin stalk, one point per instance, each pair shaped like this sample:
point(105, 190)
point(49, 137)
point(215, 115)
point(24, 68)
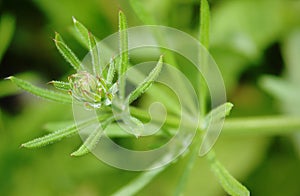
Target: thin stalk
point(204, 39)
point(189, 166)
point(267, 125)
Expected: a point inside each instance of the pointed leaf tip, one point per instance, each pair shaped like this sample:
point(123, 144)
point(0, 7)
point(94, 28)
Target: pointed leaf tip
point(66, 52)
point(227, 181)
point(149, 80)
point(40, 92)
point(121, 12)
point(83, 150)
point(8, 78)
point(74, 19)
point(56, 35)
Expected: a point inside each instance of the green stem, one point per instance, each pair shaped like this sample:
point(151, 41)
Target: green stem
point(204, 40)
point(268, 125)
point(189, 166)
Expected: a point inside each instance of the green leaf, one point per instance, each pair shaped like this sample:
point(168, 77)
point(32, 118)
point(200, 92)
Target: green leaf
point(66, 52)
point(92, 139)
point(228, 182)
point(147, 82)
point(7, 27)
point(57, 135)
point(212, 125)
point(123, 52)
point(140, 182)
point(111, 71)
point(95, 54)
point(91, 42)
point(89, 143)
point(40, 92)
point(52, 137)
point(140, 11)
point(217, 114)
point(61, 85)
point(8, 88)
point(82, 31)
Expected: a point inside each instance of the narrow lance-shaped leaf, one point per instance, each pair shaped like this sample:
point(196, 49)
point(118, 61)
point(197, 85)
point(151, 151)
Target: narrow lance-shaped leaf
point(217, 114)
point(92, 139)
point(8, 88)
point(147, 82)
point(91, 42)
point(66, 52)
point(61, 85)
point(82, 31)
point(111, 71)
point(57, 135)
point(123, 52)
point(40, 92)
point(89, 143)
point(94, 54)
point(51, 138)
point(228, 182)
point(212, 125)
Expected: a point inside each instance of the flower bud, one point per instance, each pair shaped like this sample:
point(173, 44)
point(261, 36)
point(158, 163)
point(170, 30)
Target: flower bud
point(88, 89)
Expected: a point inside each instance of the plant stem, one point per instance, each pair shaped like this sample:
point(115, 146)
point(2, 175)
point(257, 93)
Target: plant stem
point(268, 125)
point(204, 40)
point(189, 166)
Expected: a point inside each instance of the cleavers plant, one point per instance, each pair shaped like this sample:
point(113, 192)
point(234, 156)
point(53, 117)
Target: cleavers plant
point(96, 90)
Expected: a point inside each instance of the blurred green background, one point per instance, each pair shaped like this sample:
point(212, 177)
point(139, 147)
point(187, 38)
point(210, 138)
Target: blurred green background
point(256, 44)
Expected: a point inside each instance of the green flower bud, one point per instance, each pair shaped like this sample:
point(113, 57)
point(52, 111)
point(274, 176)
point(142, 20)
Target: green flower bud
point(88, 89)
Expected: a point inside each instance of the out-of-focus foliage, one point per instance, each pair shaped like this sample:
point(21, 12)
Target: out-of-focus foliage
point(249, 38)
point(7, 25)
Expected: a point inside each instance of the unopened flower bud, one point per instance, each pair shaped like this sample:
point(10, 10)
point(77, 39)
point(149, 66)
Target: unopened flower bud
point(88, 89)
